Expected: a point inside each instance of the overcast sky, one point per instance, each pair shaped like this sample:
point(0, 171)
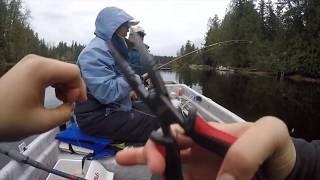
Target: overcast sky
point(168, 23)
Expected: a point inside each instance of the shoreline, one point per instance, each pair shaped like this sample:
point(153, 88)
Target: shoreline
point(300, 78)
point(296, 77)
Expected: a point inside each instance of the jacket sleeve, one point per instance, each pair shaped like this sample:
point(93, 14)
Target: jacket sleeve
point(307, 164)
point(102, 78)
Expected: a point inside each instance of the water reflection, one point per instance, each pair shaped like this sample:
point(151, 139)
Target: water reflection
point(176, 77)
point(254, 96)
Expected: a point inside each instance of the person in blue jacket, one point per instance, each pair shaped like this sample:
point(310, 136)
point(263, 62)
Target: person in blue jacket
point(108, 111)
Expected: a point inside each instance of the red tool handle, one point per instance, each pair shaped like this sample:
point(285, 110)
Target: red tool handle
point(207, 136)
point(169, 149)
point(212, 138)
point(201, 126)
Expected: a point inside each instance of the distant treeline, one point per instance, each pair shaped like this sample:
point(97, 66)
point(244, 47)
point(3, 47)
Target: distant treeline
point(17, 39)
point(285, 37)
point(162, 60)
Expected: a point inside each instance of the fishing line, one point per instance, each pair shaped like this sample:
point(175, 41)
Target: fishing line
point(207, 48)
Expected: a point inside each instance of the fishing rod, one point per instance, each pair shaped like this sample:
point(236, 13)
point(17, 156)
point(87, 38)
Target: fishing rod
point(19, 157)
point(206, 49)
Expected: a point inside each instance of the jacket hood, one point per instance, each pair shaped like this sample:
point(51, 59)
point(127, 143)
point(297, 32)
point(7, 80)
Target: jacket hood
point(109, 20)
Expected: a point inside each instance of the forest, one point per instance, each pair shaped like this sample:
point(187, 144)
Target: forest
point(284, 36)
point(17, 38)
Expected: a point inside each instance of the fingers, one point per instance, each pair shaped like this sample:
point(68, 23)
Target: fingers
point(131, 156)
point(66, 77)
point(73, 94)
point(183, 141)
point(133, 95)
point(150, 155)
point(254, 146)
point(234, 129)
point(143, 155)
point(178, 132)
point(155, 160)
point(267, 141)
point(56, 73)
point(70, 95)
point(83, 91)
point(34, 73)
point(49, 118)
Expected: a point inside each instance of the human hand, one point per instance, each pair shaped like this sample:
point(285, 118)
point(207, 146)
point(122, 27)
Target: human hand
point(149, 83)
point(22, 91)
point(266, 142)
point(147, 80)
point(133, 95)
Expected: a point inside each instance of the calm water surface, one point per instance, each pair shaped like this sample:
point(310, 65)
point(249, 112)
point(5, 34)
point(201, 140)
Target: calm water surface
point(251, 97)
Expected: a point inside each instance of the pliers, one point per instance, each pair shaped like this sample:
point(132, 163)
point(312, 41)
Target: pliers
point(159, 103)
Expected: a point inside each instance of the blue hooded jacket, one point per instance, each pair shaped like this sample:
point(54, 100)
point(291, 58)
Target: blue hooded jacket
point(98, 68)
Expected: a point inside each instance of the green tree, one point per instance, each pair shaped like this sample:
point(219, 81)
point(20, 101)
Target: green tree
point(17, 39)
point(285, 36)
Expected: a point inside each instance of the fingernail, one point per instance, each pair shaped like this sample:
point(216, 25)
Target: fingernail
point(226, 177)
point(84, 98)
point(71, 105)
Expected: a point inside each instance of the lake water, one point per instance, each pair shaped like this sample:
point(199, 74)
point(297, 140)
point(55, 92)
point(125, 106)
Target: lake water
point(251, 97)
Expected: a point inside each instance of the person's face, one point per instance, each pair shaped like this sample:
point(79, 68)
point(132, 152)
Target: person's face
point(123, 30)
point(141, 35)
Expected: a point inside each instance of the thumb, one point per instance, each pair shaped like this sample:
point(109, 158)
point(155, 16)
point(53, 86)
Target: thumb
point(245, 157)
point(252, 148)
point(51, 118)
point(238, 165)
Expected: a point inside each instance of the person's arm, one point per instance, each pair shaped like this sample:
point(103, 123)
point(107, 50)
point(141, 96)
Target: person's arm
point(98, 70)
point(22, 89)
point(308, 160)
point(265, 142)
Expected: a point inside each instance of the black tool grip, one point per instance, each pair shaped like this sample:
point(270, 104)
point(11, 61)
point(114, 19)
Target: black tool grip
point(168, 147)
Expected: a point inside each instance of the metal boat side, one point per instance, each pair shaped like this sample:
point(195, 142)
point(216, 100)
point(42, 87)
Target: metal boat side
point(45, 148)
point(209, 109)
